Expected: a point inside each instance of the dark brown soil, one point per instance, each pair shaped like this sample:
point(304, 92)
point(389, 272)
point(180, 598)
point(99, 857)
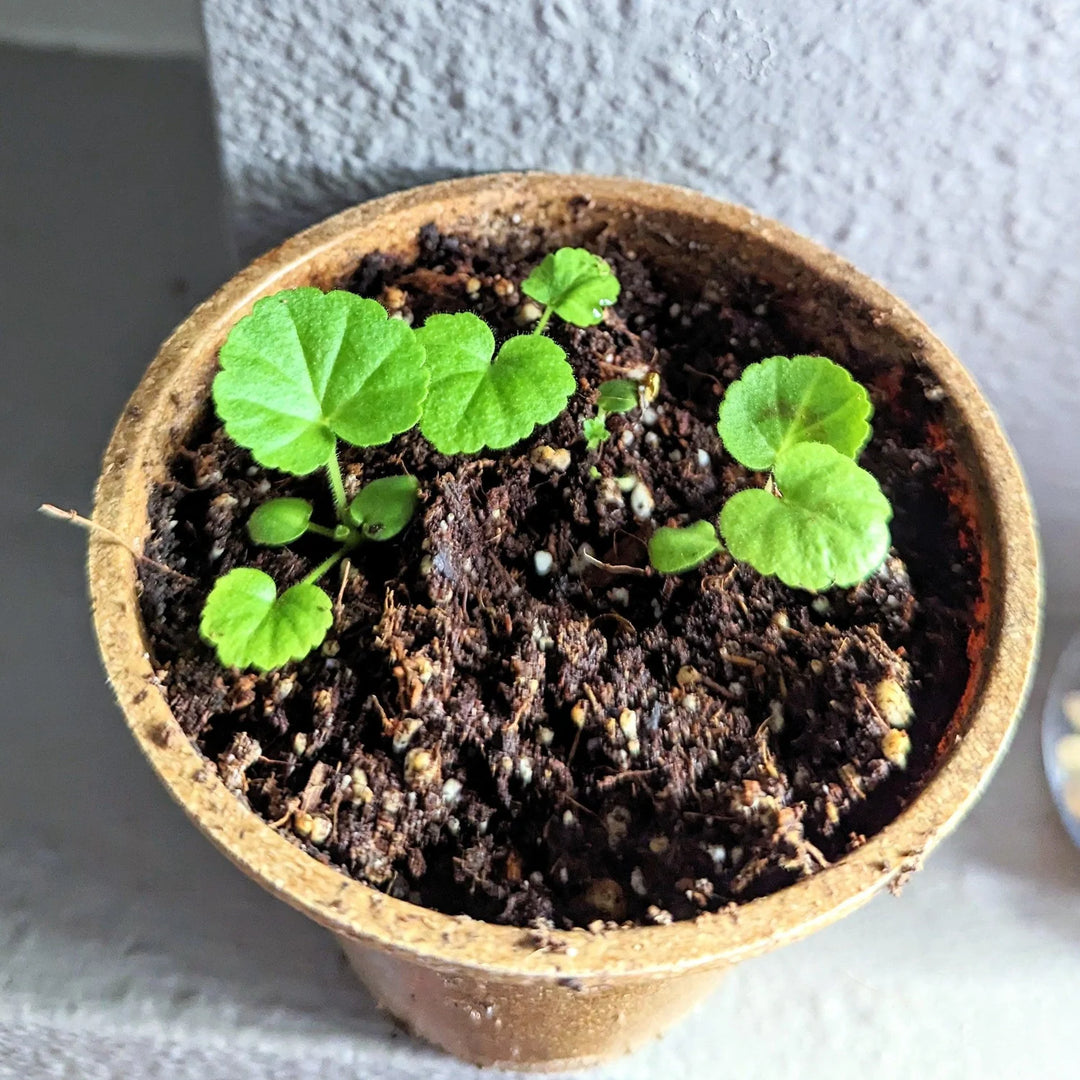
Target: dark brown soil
point(591, 743)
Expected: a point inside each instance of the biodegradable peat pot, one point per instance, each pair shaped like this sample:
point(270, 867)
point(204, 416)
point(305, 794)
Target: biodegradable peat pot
point(481, 991)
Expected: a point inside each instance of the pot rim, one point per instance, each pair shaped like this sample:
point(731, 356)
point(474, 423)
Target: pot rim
point(989, 710)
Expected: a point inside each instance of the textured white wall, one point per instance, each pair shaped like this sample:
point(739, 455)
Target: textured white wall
point(935, 144)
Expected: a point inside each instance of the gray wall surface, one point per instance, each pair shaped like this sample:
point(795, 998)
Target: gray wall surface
point(933, 144)
point(143, 27)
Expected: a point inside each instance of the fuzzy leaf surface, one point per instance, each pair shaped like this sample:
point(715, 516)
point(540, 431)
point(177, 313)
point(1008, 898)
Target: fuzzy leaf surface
point(830, 527)
point(474, 402)
point(675, 550)
point(784, 401)
point(384, 507)
point(617, 396)
point(279, 521)
point(251, 626)
point(307, 367)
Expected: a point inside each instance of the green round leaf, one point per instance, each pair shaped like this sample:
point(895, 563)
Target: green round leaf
point(830, 527)
point(782, 402)
point(384, 507)
point(672, 551)
point(279, 521)
point(475, 403)
point(307, 367)
point(577, 284)
point(251, 626)
point(617, 396)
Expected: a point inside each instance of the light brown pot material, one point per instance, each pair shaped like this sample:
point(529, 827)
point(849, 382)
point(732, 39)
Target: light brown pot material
point(487, 993)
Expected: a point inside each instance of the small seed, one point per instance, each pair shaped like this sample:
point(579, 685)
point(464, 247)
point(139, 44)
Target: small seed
point(420, 767)
point(547, 459)
point(529, 312)
point(451, 791)
point(658, 845)
point(781, 620)
point(606, 896)
point(503, 288)
point(628, 723)
point(642, 502)
point(542, 562)
point(525, 770)
point(893, 703)
point(817, 667)
point(393, 298)
point(303, 824)
point(688, 676)
point(703, 459)
point(321, 828)
point(776, 717)
point(545, 736)
point(650, 387)
point(896, 746)
point(637, 882)
point(577, 714)
point(619, 595)
point(299, 744)
point(406, 729)
point(821, 605)
point(633, 747)
point(472, 286)
point(568, 818)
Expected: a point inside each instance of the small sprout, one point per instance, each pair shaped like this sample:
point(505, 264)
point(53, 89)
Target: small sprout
point(595, 431)
point(574, 283)
point(384, 507)
point(783, 402)
point(279, 521)
point(250, 625)
point(613, 396)
point(306, 368)
point(676, 550)
point(476, 402)
point(829, 527)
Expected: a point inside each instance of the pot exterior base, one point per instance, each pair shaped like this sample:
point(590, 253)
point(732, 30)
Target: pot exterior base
point(542, 1026)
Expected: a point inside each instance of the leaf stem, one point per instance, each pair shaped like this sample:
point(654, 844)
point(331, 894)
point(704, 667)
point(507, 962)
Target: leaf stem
point(337, 483)
point(323, 567)
point(322, 530)
point(544, 319)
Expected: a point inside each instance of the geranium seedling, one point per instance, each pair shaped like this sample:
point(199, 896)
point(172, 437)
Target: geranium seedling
point(573, 283)
point(821, 520)
point(478, 402)
point(307, 368)
point(614, 396)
